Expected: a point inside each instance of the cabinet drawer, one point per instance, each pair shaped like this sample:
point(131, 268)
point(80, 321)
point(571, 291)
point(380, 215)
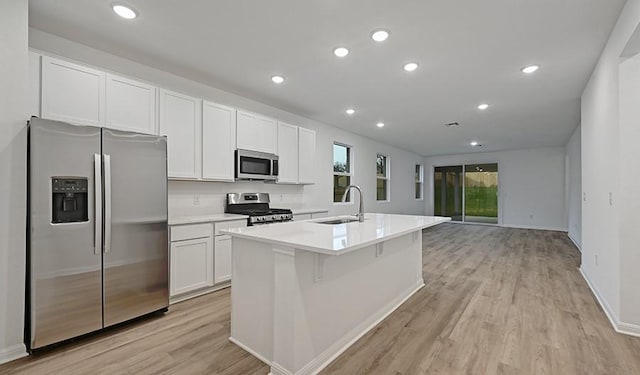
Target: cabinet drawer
point(190, 232)
point(229, 224)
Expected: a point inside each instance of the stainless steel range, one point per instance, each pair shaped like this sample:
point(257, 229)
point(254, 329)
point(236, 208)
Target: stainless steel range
point(256, 205)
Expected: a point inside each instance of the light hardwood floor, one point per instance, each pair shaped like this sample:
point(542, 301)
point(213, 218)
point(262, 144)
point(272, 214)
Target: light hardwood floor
point(497, 301)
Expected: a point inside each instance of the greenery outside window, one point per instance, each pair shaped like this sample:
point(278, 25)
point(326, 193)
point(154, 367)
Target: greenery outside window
point(382, 178)
point(342, 171)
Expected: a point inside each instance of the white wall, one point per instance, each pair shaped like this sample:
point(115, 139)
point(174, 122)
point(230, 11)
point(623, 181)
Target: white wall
point(531, 185)
point(211, 194)
point(609, 245)
point(13, 116)
point(629, 195)
point(574, 188)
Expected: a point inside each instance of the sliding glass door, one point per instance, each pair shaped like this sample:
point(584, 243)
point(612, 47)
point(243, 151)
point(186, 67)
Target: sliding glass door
point(448, 192)
point(467, 192)
point(481, 193)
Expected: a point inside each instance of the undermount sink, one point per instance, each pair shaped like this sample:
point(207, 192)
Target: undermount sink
point(337, 221)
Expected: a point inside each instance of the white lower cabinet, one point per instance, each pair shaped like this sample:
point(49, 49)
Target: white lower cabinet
point(191, 265)
point(200, 258)
point(223, 250)
point(223, 259)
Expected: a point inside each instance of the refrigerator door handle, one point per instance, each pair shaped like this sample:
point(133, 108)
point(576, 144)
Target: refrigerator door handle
point(107, 203)
point(97, 220)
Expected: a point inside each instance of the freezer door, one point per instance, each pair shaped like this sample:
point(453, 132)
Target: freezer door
point(64, 253)
point(135, 228)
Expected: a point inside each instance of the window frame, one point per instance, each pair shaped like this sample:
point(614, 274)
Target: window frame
point(419, 181)
point(387, 177)
point(350, 174)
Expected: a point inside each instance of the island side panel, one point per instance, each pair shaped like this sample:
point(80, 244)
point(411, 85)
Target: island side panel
point(337, 299)
point(252, 297)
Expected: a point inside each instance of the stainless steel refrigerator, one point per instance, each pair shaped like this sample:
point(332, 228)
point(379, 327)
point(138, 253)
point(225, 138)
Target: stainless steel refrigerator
point(97, 229)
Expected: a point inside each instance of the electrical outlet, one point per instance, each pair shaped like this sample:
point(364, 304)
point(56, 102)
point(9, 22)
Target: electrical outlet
point(196, 200)
point(531, 216)
point(610, 199)
point(584, 196)
point(596, 259)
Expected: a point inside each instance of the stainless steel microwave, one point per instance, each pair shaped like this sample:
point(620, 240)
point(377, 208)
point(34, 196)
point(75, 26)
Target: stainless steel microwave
point(253, 165)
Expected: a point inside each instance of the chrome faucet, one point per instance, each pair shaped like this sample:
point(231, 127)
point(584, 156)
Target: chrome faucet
point(360, 214)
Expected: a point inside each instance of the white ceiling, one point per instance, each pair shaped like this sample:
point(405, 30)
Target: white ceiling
point(470, 52)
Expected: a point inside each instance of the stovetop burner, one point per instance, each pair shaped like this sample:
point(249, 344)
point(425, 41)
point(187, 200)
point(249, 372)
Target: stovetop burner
point(256, 206)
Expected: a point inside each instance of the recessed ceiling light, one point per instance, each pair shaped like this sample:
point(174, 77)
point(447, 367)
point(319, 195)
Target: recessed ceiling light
point(410, 67)
point(483, 106)
point(350, 111)
point(124, 11)
point(380, 35)
point(380, 124)
point(341, 52)
point(530, 69)
point(277, 79)
point(475, 144)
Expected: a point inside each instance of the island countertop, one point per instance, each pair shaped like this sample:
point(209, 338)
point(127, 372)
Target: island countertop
point(336, 239)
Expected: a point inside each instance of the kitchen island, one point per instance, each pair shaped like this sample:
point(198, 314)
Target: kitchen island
point(303, 292)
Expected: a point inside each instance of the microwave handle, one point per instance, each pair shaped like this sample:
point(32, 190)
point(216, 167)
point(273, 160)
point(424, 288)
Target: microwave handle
point(274, 167)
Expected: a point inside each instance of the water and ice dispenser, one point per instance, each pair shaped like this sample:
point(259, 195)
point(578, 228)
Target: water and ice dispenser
point(70, 198)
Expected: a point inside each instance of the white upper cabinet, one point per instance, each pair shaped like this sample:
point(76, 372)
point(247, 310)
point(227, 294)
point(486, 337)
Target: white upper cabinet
point(247, 131)
point(181, 121)
point(267, 135)
point(131, 105)
point(34, 84)
point(287, 153)
point(72, 93)
point(218, 141)
point(257, 133)
point(306, 156)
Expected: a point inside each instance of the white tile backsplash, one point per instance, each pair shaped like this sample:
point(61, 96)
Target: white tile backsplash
point(202, 198)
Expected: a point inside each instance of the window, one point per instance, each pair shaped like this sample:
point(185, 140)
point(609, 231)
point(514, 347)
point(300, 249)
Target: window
point(382, 178)
point(342, 171)
point(419, 181)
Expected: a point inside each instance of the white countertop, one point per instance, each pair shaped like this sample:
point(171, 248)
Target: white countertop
point(338, 238)
point(302, 211)
point(211, 218)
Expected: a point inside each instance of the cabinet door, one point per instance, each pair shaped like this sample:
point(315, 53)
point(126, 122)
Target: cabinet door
point(218, 141)
point(34, 84)
point(267, 135)
point(181, 122)
point(191, 265)
point(307, 155)
point(247, 137)
point(288, 153)
point(130, 105)
point(223, 259)
point(72, 93)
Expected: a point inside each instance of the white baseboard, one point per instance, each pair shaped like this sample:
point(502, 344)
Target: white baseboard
point(618, 326)
point(251, 351)
point(197, 293)
point(536, 227)
point(12, 353)
point(574, 241)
